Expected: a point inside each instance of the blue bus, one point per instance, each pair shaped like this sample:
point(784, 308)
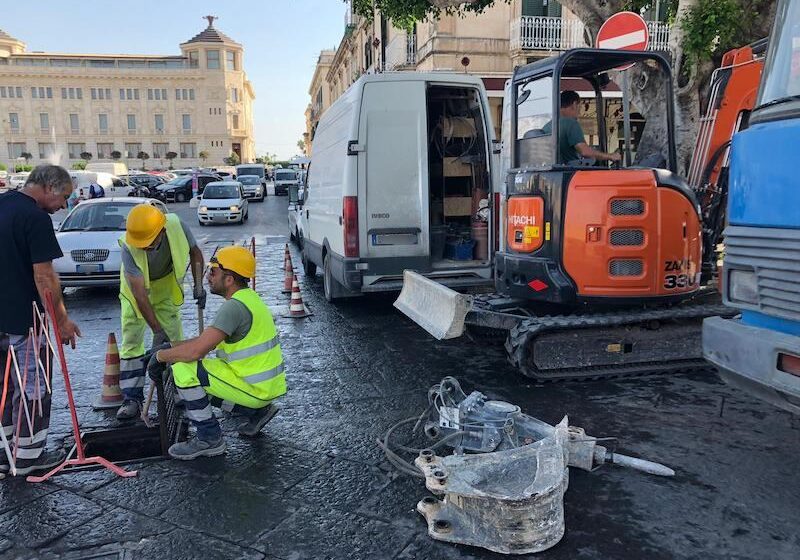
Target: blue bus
point(759, 350)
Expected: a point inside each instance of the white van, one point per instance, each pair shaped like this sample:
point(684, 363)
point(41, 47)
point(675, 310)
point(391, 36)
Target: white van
point(113, 186)
point(117, 168)
point(400, 165)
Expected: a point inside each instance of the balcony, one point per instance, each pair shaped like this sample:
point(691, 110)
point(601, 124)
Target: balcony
point(14, 131)
point(541, 33)
point(132, 132)
point(187, 131)
point(401, 52)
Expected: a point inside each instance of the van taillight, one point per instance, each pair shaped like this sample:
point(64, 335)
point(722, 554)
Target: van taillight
point(350, 217)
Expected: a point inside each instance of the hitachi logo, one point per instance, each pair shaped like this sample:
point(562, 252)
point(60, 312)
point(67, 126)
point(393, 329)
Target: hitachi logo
point(522, 220)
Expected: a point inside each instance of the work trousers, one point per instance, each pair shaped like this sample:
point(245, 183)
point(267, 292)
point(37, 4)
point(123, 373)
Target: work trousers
point(199, 388)
point(131, 352)
point(31, 442)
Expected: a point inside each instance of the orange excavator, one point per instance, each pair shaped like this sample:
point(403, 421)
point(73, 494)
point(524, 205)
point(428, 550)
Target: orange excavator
point(598, 266)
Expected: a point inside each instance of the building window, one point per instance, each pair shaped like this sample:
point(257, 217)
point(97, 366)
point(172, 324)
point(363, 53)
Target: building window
point(150, 94)
point(230, 60)
point(15, 149)
point(46, 150)
point(104, 150)
point(235, 95)
point(186, 121)
point(94, 93)
point(44, 122)
point(188, 150)
point(102, 123)
point(159, 123)
point(76, 149)
point(128, 94)
point(13, 122)
point(184, 94)
point(212, 59)
point(101, 93)
point(71, 93)
point(235, 122)
point(131, 123)
point(160, 149)
point(74, 123)
point(194, 59)
point(132, 149)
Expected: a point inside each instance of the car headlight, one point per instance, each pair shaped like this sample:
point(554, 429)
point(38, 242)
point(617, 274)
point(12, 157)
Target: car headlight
point(743, 286)
point(234, 208)
point(204, 209)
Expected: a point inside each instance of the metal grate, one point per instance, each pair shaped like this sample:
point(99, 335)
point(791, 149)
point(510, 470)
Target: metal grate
point(627, 207)
point(89, 255)
point(627, 237)
point(629, 267)
point(173, 426)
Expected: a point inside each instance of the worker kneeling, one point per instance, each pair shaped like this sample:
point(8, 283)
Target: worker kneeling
point(248, 372)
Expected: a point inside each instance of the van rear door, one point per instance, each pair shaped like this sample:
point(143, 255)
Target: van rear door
point(393, 169)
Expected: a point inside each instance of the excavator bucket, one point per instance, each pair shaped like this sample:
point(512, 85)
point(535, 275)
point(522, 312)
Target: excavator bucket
point(434, 307)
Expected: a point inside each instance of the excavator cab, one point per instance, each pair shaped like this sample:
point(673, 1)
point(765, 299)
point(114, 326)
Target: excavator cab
point(581, 224)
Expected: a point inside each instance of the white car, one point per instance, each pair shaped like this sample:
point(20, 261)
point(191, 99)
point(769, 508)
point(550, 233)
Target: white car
point(222, 202)
point(16, 180)
point(253, 187)
point(296, 217)
point(89, 240)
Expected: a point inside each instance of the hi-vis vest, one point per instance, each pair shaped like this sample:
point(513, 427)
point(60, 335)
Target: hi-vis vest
point(257, 358)
point(179, 248)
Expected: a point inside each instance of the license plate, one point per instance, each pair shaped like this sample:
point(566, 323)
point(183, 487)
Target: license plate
point(88, 268)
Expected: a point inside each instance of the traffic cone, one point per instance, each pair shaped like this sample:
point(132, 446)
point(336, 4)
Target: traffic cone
point(288, 273)
point(297, 309)
point(287, 257)
point(111, 396)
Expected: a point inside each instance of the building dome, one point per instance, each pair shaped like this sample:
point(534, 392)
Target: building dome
point(10, 45)
point(211, 35)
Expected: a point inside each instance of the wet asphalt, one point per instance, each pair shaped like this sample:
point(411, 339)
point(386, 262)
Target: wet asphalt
point(315, 484)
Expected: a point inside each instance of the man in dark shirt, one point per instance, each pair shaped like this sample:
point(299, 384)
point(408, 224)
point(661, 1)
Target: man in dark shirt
point(571, 142)
point(28, 246)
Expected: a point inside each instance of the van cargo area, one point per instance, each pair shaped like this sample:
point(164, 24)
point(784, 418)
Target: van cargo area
point(458, 179)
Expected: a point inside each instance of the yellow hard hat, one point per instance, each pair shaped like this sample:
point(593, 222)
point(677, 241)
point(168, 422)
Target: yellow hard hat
point(144, 224)
point(236, 259)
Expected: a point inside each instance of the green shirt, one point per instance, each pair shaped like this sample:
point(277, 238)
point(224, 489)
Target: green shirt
point(234, 319)
point(570, 134)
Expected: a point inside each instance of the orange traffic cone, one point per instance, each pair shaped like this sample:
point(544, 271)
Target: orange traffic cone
point(111, 396)
point(287, 257)
point(288, 273)
point(297, 309)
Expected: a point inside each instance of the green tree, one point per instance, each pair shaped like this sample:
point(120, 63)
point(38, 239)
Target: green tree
point(79, 165)
point(86, 156)
point(301, 145)
point(701, 31)
point(115, 155)
point(170, 157)
point(27, 156)
point(232, 159)
point(3, 167)
point(203, 155)
point(144, 156)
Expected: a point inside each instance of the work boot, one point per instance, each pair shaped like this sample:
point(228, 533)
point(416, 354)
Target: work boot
point(253, 426)
point(4, 466)
point(129, 409)
point(195, 447)
point(46, 461)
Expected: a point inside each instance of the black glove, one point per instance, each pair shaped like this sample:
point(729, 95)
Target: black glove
point(200, 296)
point(159, 339)
point(155, 369)
point(152, 351)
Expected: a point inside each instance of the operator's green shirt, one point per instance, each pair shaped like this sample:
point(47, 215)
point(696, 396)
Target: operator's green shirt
point(570, 134)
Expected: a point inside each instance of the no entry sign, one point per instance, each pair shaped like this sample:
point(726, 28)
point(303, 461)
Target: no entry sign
point(625, 31)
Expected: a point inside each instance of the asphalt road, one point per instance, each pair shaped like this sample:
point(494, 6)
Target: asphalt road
point(316, 485)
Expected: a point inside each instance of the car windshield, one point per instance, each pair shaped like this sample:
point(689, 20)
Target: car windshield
point(179, 181)
point(285, 176)
point(221, 191)
point(249, 179)
point(98, 217)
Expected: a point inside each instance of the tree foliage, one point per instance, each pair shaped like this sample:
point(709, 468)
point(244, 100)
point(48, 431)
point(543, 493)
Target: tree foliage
point(79, 165)
point(405, 13)
point(232, 159)
point(203, 155)
point(86, 156)
point(116, 154)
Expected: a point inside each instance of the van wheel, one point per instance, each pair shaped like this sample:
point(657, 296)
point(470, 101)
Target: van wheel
point(180, 197)
point(309, 268)
point(328, 280)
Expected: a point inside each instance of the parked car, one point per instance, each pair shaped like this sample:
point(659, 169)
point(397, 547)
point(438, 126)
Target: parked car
point(296, 216)
point(223, 202)
point(253, 187)
point(89, 240)
point(284, 178)
point(16, 180)
point(180, 188)
point(116, 168)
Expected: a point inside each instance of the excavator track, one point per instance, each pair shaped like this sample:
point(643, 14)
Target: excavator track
point(614, 344)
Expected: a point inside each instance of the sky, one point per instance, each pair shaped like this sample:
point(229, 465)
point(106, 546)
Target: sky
point(281, 38)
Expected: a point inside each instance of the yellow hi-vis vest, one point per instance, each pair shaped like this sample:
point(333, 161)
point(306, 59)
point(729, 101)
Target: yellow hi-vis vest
point(257, 358)
point(179, 248)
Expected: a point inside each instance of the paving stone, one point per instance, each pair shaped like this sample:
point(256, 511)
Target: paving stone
point(190, 545)
point(230, 509)
point(90, 480)
point(116, 525)
point(320, 533)
point(340, 484)
point(425, 547)
point(15, 492)
point(397, 502)
point(279, 468)
point(47, 518)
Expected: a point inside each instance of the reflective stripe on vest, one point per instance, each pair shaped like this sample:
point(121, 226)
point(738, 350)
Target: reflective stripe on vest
point(249, 352)
point(265, 375)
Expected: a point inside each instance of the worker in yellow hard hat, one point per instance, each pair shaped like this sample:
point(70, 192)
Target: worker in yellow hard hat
point(247, 373)
point(156, 248)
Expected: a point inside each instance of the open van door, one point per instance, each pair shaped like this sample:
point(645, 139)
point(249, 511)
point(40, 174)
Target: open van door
point(393, 170)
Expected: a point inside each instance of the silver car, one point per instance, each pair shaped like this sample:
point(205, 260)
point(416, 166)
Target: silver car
point(89, 240)
point(222, 202)
point(253, 187)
